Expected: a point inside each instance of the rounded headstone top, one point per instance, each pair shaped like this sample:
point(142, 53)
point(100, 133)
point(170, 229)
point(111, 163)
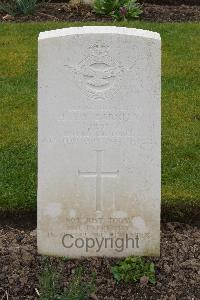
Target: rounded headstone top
point(99, 30)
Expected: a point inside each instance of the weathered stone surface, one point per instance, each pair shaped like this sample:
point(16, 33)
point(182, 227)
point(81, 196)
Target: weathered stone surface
point(99, 142)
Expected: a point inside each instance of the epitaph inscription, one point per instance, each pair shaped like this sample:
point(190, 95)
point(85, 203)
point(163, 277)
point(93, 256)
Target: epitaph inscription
point(99, 142)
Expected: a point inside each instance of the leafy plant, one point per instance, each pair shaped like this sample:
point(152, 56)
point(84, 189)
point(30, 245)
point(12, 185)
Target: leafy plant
point(132, 269)
point(8, 8)
point(118, 9)
point(25, 7)
point(104, 7)
point(127, 10)
point(77, 289)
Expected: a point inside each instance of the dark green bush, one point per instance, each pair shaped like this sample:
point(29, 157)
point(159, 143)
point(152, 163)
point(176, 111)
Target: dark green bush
point(14, 7)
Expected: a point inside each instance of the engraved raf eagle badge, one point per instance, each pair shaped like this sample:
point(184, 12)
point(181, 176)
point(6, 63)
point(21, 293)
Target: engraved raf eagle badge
point(98, 74)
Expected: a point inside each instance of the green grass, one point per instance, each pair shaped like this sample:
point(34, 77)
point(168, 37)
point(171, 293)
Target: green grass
point(77, 289)
point(180, 113)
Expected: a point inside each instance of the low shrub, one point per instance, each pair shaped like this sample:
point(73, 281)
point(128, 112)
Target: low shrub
point(120, 10)
point(25, 7)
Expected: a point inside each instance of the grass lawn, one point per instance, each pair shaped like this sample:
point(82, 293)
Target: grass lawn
point(180, 114)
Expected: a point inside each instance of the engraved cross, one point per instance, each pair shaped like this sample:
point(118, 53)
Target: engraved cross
point(99, 175)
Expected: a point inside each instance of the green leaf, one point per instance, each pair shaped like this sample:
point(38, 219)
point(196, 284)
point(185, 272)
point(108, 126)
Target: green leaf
point(132, 269)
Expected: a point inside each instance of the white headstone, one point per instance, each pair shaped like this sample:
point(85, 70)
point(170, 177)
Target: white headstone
point(99, 142)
